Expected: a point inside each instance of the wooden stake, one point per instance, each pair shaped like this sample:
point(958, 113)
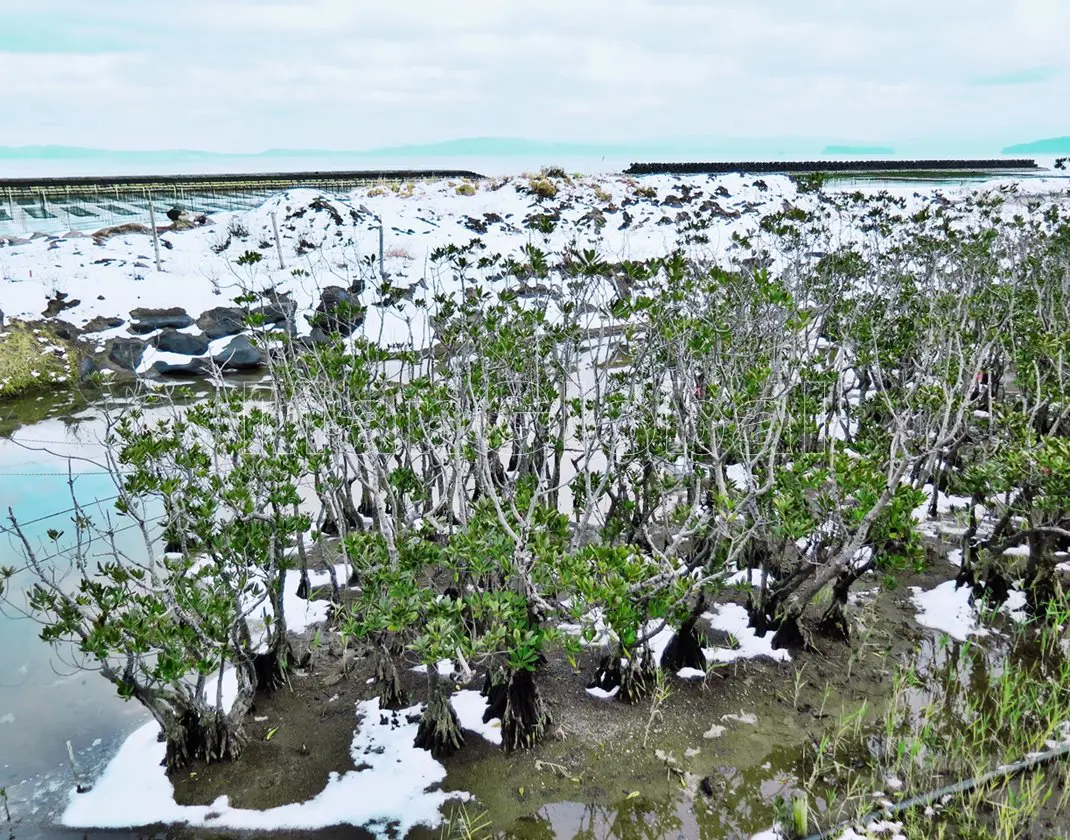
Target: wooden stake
point(278, 243)
point(155, 235)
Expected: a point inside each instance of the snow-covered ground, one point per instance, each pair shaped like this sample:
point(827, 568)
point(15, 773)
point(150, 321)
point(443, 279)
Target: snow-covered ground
point(333, 240)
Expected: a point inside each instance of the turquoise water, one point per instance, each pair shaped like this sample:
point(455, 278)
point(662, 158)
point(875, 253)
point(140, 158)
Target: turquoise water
point(481, 157)
point(44, 701)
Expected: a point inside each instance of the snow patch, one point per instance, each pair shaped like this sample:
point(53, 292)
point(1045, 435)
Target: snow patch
point(395, 790)
point(948, 608)
point(733, 619)
point(470, 706)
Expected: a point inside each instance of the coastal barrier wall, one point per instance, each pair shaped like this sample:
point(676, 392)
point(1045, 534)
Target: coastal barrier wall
point(57, 205)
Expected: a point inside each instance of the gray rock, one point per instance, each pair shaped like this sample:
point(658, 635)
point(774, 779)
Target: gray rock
point(100, 324)
point(317, 336)
point(173, 341)
point(58, 304)
point(194, 367)
point(126, 352)
point(239, 354)
point(150, 320)
point(86, 368)
point(222, 321)
point(339, 311)
point(279, 311)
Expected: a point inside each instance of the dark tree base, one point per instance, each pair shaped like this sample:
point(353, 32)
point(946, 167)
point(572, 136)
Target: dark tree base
point(790, 636)
point(526, 716)
point(685, 649)
point(391, 695)
point(833, 623)
point(637, 678)
point(208, 738)
point(440, 731)
point(496, 690)
point(607, 677)
point(271, 668)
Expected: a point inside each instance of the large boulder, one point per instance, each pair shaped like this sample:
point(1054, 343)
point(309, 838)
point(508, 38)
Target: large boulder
point(149, 320)
point(239, 354)
point(339, 311)
point(281, 310)
point(126, 353)
point(173, 341)
point(102, 324)
point(194, 367)
point(222, 321)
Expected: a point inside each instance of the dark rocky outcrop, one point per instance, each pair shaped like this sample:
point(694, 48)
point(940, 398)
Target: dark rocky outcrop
point(126, 353)
point(339, 311)
point(102, 323)
point(149, 320)
point(59, 303)
point(222, 321)
point(173, 341)
point(239, 354)
point(194, 367)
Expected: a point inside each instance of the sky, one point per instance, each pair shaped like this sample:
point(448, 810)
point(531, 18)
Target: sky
point(247, 75)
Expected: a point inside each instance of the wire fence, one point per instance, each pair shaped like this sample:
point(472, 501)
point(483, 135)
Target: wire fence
point(84, 204)
point(37, 211)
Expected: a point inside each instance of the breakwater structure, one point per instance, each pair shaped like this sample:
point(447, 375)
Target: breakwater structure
point(54, 205)
point(896, 168)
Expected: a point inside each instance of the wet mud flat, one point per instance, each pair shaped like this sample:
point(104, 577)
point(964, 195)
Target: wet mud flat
point(709, 760)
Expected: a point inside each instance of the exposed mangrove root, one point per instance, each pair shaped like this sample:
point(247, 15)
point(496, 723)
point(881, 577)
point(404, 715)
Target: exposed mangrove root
point(637, 677)
point(526, 716)
point(792, 636)
point(439, 731)
point(391, 695)
point(988, 583)
point(760, 614)
point(304, 588)
point(833, 622)
point(208, 737)
point(271, 667)
point(685, 649)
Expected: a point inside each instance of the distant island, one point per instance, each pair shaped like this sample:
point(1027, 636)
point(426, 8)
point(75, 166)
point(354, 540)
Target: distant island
point(1048, 146)
point(476, 147)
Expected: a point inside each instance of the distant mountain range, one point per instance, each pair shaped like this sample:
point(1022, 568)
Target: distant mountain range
point(692, 148)
point(1048, 146)
point(738, 148)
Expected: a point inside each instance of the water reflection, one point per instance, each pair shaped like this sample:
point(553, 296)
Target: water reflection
point(729, 803)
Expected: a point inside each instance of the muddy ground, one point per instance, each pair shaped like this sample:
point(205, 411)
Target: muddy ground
point(607, 767)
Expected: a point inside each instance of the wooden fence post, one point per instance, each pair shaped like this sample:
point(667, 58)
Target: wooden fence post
point(155, 235)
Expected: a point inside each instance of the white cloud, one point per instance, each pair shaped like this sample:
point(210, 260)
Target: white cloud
point(238, 74)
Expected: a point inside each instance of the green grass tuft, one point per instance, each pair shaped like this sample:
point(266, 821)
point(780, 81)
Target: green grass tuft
point(30, 360)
